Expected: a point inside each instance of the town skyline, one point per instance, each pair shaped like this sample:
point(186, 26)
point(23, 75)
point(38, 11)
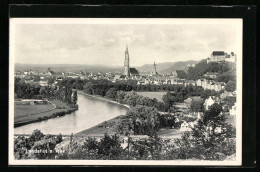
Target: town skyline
point(102, 44)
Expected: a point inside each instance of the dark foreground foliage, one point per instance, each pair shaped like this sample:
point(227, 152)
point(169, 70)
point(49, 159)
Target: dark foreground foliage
point(211, 138)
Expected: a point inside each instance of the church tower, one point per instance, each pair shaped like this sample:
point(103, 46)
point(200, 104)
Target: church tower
point(154, 72)
point(126, 65)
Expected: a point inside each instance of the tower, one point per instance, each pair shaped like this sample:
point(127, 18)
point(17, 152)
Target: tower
point(126, 65)
point(154, 72)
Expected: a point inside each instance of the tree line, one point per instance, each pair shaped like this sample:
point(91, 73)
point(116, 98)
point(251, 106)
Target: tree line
point(35, 91)
point(211, 139)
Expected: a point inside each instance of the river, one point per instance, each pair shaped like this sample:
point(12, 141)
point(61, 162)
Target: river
point(91, 112)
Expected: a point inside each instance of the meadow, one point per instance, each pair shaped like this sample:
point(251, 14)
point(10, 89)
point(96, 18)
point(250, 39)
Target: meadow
point(24, 114)
point(27, 110)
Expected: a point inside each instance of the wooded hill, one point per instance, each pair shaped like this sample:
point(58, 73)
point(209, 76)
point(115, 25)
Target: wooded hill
point(226, 71)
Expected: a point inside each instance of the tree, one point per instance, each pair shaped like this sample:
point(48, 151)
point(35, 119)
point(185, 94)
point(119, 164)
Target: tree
point(37, 78)
point(230, 86)
point(88, 88)
point(210, 139)
point(168, 100)
point(230, 101)
point(51, 80)
point(206, 93)
point(197, 105)
point(111, 94)
point(74, 97)
point(144, 120)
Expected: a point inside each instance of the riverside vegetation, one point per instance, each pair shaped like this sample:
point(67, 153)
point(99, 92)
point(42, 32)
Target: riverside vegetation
point(211, 139)
point(64, 99)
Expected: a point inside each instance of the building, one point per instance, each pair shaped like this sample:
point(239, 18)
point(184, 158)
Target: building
point(221, 56)
point(129, 72)
point(231, 57)
point(210, 101)
point(210, 84)
point(28, 79)
point(217, 56)
point(188, 82)
point(134, 72)
point(154, 72)
point(233, 110)
point(211, 75)
point(126, 64)
point(50, 72)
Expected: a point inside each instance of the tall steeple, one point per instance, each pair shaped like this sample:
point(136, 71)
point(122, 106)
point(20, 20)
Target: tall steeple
point(126, 64)
point(154, 72)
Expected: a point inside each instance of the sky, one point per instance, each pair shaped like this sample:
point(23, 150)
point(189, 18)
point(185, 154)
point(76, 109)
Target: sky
point(105, 44)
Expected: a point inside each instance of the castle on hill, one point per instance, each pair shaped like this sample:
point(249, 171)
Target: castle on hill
point(221, 56)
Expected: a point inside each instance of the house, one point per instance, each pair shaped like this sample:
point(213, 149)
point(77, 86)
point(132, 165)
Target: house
point(211, 75)
point(208, 102)
point(50, 72)
point(28, 79)
point(43, 82)
point(199, 82)
point(232, 111)
point(231, 57)
point(119, 77)
point(185, 126)
point(134, 72)
point(188, 82)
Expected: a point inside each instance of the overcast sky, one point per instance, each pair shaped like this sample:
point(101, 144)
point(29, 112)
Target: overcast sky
point(102, 44)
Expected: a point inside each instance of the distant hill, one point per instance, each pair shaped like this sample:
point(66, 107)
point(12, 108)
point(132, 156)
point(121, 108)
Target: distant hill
point(182, 65)
point(167, 67)
point(162, 68)
point(67, 68)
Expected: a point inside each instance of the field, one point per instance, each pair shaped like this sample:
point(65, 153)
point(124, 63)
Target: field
point(59, 104)
point(29, 113)
point(26, 110)
point(157, 95)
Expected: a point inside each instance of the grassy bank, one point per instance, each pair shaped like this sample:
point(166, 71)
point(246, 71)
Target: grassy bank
point(25, 114)
point(110, 127)
point(28, 110)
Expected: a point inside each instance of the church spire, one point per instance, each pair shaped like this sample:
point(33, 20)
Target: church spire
point(126, 64)
point(154, 72)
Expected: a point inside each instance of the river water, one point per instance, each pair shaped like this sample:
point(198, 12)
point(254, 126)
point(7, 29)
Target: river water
point(91, 112)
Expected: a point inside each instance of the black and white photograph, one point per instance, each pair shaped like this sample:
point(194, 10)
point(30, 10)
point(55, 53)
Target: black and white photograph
point(125, 91)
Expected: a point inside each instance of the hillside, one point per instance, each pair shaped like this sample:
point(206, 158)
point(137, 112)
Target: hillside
point(167, 67)
point(182, 65)
point(226, 71)
point(147, 68)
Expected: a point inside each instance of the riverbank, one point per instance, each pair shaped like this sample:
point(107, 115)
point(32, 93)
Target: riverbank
point(26, 116)
point(110, 127)
point(103, 98)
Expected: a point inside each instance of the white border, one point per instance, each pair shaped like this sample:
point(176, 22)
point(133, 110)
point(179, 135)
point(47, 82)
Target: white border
point(161, 21)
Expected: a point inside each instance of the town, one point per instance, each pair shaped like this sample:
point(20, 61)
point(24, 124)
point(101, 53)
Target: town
point(191, 113)
point(207, 81)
